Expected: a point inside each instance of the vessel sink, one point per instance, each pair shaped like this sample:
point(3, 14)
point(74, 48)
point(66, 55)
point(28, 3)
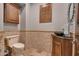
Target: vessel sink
point(59, 34)
point(62, 35)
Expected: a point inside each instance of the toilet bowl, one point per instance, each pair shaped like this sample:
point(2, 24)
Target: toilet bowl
point(16, 46)
point(18, 49)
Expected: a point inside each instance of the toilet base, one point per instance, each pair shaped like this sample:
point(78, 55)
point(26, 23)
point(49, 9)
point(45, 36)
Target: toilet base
point(8, 51)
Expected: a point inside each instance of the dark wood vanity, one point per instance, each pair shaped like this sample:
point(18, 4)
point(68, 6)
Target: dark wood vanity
point(78, 14)
point(11, 13)
point(77, 33)
point(61, 46)
point(77, 45)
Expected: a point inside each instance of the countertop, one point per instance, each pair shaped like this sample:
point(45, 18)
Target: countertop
point(63, 37)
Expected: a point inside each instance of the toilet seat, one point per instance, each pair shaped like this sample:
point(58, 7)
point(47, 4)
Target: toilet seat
point(18, 45)
point(17, 49)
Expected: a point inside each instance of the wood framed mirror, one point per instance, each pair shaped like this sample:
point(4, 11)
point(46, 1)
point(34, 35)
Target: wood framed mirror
point(46, 13)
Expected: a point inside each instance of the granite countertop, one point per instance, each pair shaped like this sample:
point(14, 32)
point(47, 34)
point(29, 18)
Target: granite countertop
point(63, 37)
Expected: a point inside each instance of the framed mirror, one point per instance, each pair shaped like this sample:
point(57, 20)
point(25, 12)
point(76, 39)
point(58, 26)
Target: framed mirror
point(46, 13)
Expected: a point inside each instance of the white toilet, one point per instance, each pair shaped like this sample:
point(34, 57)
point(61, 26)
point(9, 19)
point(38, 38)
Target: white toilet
point(16, 46)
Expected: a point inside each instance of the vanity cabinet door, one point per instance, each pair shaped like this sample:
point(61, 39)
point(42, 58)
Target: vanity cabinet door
point(57, 48)
point(77, 48)
point(11, 13)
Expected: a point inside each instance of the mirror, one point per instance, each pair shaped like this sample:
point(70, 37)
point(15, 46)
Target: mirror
point(71, 11)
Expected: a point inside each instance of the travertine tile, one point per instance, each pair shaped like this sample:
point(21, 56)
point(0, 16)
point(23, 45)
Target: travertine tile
point(38, 40)
point(1, 43)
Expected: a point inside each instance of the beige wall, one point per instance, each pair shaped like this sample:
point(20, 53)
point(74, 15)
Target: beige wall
point(59, 17)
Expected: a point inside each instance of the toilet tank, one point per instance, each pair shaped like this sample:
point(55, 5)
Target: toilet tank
point(12, 39)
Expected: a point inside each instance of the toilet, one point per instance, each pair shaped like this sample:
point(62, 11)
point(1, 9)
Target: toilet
point(16, 47)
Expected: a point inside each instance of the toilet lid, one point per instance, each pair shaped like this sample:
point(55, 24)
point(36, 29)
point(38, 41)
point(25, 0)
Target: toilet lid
point(18, 45)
